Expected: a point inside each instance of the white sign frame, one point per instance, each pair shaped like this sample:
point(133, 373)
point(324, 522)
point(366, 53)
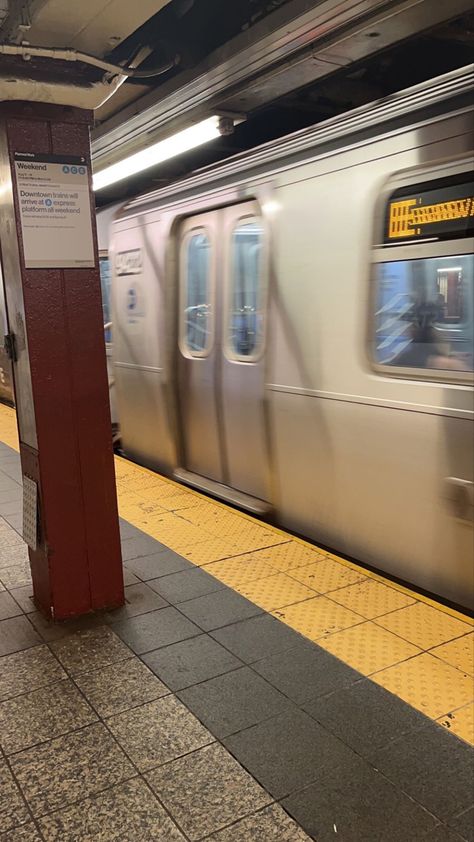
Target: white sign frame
point(54, 203)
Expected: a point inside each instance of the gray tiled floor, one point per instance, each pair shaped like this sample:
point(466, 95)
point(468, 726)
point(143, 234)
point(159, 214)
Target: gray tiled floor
point(126, 812)
point(253, 639)
point(271, 824)
point(8, 606)
point(58, 773)
point(185, 585)
point(139, 599)
point(191, 661)
point(13, 809)
point(23, 672)
point(306, 672)
point(39, 716)
point(446, 789)
point(207, 790)
point(15, 634)
point(99, 746)
point(365, 716)
point(158, 564)
point(157, 628)
point(218, 609)
point(121, 686)
point(287, 752)
point(371, 808)
point(25, 833)
point(158, 732)
point(234, 701)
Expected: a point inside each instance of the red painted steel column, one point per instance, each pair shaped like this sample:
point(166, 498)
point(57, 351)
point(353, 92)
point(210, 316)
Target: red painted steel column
point(77, 566)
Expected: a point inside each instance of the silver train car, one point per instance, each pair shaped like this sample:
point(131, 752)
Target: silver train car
point(6, 376)
point(293, 332)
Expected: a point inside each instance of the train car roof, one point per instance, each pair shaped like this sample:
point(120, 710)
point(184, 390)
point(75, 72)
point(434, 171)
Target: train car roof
point(449, 89)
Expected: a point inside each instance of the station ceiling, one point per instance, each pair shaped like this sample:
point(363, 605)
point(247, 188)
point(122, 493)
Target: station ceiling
point(272, 66)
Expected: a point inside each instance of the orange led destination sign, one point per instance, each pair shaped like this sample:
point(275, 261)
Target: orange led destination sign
point(442, 213)
point(407, 217)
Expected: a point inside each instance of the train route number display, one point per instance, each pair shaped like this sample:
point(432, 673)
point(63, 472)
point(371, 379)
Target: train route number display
point(55, 211)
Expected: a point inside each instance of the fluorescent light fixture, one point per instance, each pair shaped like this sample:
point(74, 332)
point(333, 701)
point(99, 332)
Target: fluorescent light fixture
point(183, 141)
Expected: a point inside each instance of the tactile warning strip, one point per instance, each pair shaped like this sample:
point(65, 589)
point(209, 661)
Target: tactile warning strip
point(459, 653)
point(424, 626)
point(371, 599)
point(416, 648)
point(318, 617)
point(327, 575)
point(427, 684)
point(368, 648)
point(276, 591)
point(461, 722)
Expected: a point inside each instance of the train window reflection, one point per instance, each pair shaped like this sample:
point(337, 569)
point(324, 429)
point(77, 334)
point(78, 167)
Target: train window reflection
point(424, 313)
point(196, 316)
point(105, 285)
point(245, 316)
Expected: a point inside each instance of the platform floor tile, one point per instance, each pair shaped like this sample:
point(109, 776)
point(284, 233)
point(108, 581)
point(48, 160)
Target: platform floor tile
point(371, 599)
point(318, 617)
point(196, 792)
point(25, 833)
point(269, 825)
point(238, 571)
point(432, 767)
point(208, 550)
point(290, 554)
point(236, 700)
point(368, 648)
point(276, 591)
point(423, 625)
point(459, 653)
point(427, 684)
point(127, 811)
point(461, 723)
point(327, 575)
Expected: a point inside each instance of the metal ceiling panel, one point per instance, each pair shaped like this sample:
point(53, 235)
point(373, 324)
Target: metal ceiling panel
point(93, 26)
point(297, 44)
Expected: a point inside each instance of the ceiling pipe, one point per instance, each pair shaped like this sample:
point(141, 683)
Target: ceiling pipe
point(27, 52)
point(90, 95)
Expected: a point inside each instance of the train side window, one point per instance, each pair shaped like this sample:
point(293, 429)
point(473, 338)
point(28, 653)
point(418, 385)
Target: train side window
point(245, 316)
point(424, 313)
point(196, 294)
point(424, 279)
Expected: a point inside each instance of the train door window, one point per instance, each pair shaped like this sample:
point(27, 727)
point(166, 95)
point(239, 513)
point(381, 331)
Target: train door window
point(245, 311)
point(424, 281)
point(105, 286)
point(196, 309)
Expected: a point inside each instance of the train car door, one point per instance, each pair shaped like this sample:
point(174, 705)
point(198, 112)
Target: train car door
point(199, 347)
point(243, 379)
point(221, 348)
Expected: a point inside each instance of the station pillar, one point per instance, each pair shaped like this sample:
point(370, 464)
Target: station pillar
point(50, 266)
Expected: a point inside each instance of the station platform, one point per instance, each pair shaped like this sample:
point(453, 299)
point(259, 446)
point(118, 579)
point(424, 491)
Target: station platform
point(254, 687)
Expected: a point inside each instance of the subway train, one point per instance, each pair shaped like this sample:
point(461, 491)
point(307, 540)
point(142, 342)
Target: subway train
point(293, 333)
point(6, 382)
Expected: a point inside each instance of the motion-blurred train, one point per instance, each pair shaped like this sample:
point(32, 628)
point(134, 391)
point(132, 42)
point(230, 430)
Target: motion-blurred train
point(293, 332)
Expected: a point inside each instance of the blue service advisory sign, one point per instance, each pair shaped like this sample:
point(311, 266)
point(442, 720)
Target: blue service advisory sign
point(55, 211)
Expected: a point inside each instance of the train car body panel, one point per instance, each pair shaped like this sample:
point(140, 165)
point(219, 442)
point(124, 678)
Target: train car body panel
point(301, 394)
point(6, 377)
